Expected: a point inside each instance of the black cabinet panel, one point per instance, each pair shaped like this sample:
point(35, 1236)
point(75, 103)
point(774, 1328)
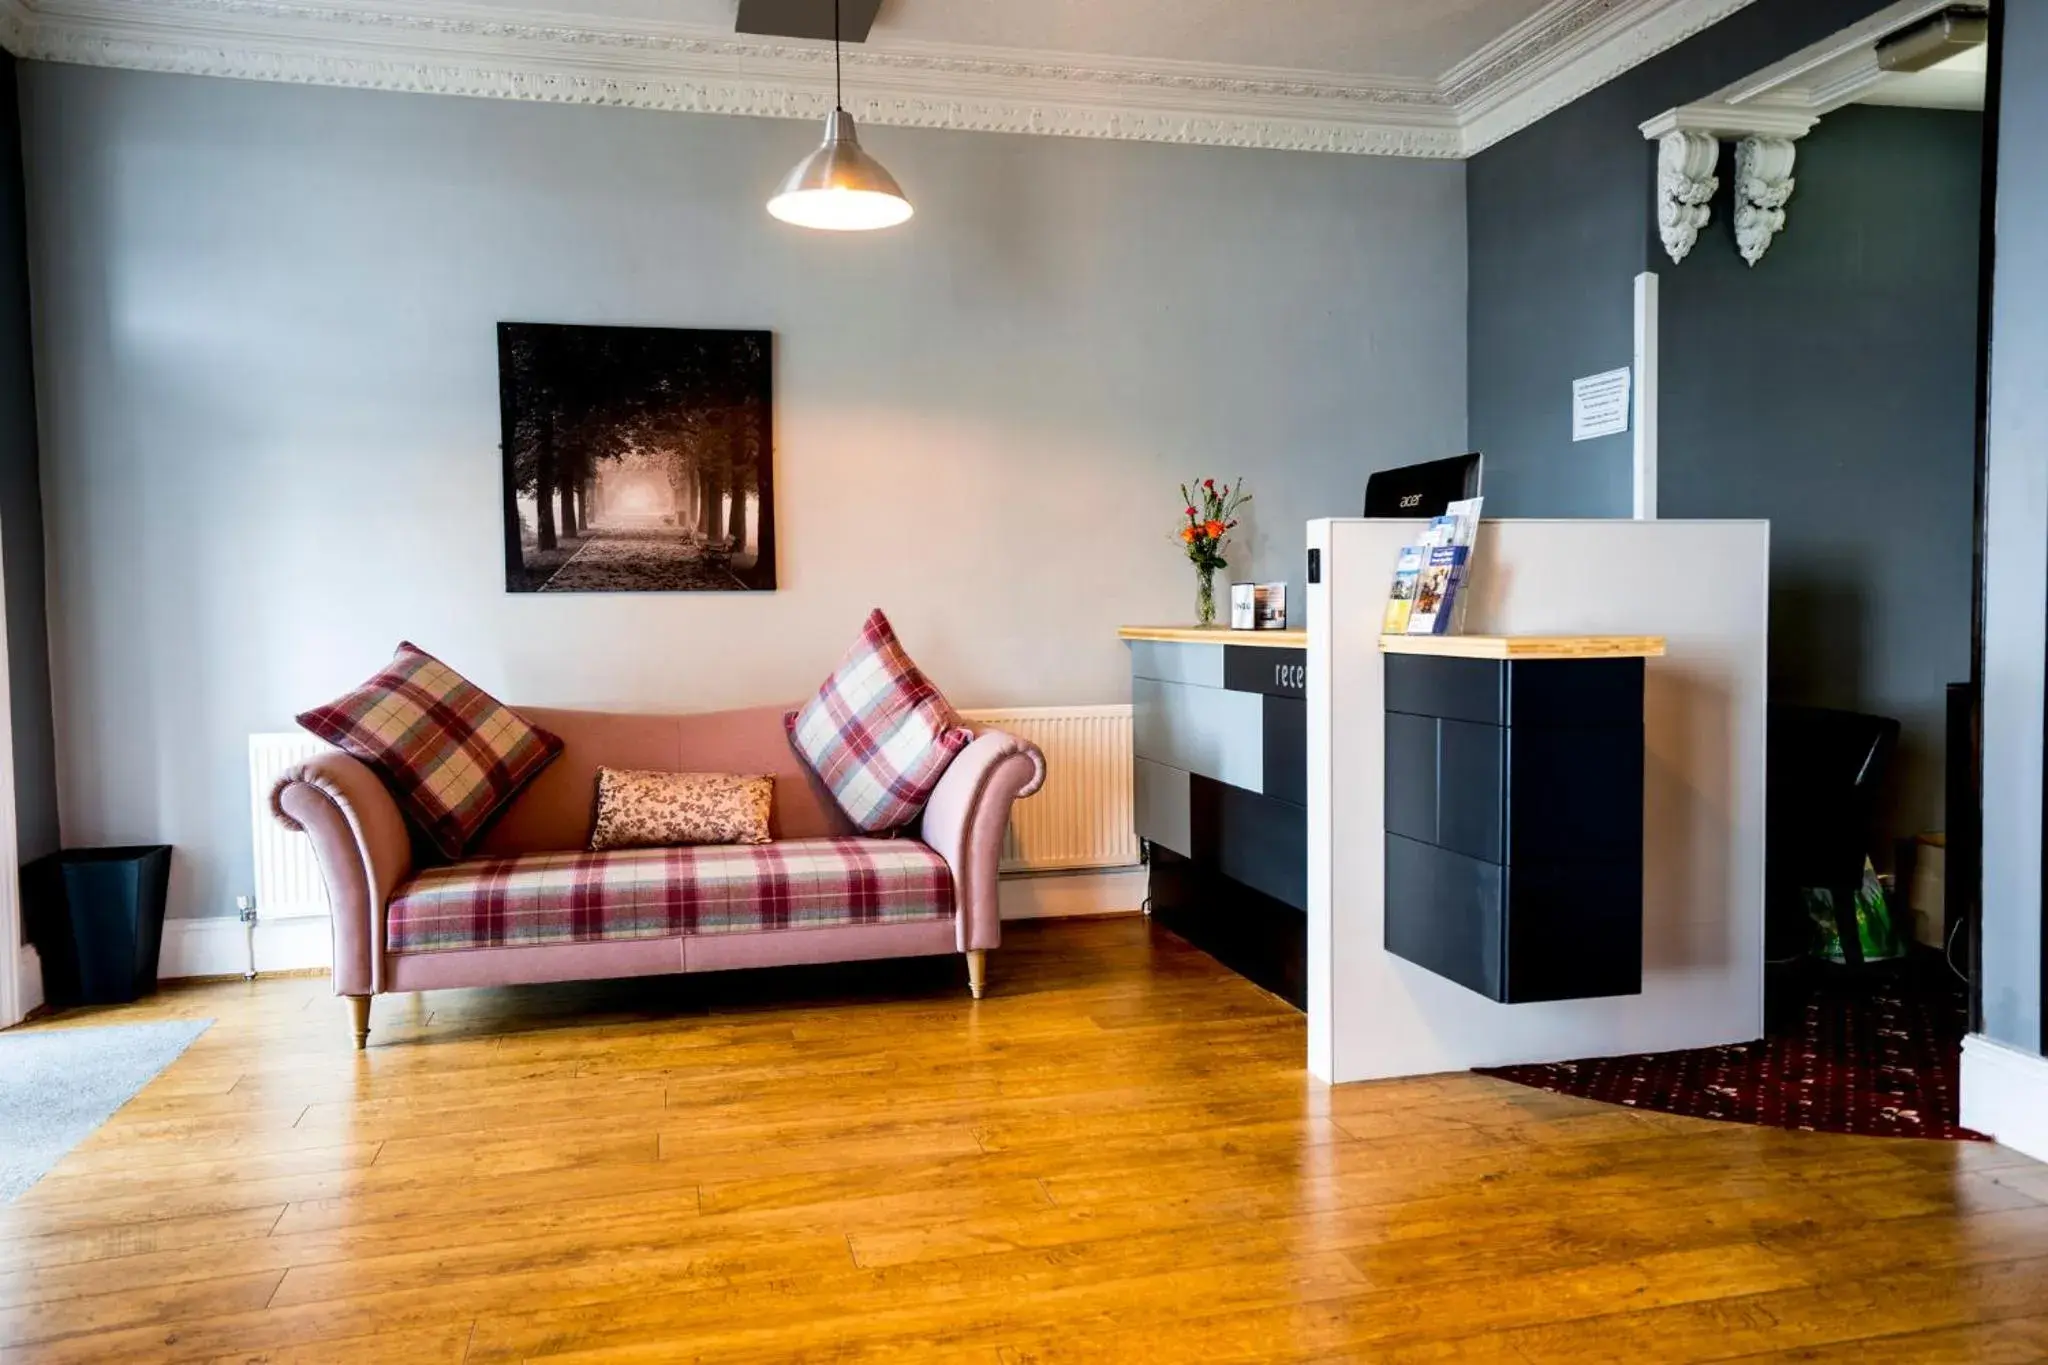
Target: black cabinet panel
point(1286, 750)
point(1515, 851)
point(1275, 672)
point(1250, 838)
point(1244, 929)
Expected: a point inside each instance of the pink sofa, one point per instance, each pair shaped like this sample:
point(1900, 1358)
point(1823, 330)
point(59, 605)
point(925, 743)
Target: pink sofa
point(530, 906)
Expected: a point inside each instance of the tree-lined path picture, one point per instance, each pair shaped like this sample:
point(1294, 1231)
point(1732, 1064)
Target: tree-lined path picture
point(637, 459)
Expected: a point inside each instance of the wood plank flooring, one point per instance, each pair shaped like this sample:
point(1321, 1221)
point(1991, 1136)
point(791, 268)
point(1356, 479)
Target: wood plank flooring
point(1117, 1156)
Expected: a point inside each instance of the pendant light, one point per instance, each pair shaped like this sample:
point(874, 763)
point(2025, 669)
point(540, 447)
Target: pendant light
point(839, 187)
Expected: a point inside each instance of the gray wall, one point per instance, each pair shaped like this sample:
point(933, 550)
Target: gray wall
point(1833, 390)
point(2016, 544)
point(1560, 224)
point(21, 511)
point(265, 318)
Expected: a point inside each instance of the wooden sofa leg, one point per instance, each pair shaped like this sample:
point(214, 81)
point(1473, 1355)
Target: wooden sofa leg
point(977, 970)
point(359, 1019)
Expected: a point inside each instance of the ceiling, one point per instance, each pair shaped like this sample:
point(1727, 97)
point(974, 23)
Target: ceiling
point(1436, 78)
point(1401, 40)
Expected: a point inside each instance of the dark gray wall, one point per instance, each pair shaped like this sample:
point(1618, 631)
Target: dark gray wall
point(1559, 224)
point(21, 510)
point(2016, 542)
point(1833, 390)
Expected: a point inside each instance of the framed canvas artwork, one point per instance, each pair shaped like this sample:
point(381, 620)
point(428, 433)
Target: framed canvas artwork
point(637, 459)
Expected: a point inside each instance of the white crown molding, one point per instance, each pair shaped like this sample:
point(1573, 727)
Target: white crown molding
point(457, 48)
point(1731, 121)
point(1569, 48)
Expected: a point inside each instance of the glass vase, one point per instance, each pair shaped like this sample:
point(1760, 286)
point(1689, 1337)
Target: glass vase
point(1205, 597)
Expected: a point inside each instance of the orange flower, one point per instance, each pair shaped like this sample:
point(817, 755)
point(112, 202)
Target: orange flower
point(1214, 530)
point(1187, 533)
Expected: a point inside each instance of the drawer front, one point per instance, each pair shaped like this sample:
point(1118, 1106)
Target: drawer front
point(1444, 911)
point(1160, 802)
point(1411, 776)
point(1453, 689)
point(1251, 839)
point(1164, 661)
point(1286, 750)
point(1575, 793)
point(1445, 784)
point(1575, 931)
point(1272, 672)
point(1470, 805)
point(1203, 730)
point(1575, 692)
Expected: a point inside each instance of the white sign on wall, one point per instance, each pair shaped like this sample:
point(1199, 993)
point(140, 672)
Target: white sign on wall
point(1600, 405)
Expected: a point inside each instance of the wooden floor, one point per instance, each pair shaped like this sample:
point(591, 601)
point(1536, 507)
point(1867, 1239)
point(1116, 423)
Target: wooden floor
point(1116, 1156)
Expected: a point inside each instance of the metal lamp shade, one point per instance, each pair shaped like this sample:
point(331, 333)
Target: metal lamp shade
point(839, 187)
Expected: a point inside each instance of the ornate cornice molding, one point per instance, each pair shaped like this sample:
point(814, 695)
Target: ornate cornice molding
point(449, 47)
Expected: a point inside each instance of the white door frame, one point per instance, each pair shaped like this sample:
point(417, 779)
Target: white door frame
point(17, 961)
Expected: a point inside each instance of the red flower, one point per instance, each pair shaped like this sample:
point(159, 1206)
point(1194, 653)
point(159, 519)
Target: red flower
point(1208, 483)
point(1191, 511)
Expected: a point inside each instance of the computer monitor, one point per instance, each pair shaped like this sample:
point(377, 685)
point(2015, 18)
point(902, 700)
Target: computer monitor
point(1422, 490)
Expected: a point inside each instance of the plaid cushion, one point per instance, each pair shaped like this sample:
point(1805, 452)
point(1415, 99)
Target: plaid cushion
point(451, 753)
point(878, 733)
point(639, 893)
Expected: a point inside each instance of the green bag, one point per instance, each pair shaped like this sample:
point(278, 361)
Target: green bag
point(1876, 930)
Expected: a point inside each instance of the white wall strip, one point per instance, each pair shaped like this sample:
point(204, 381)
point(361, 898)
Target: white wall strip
point(1645, 415)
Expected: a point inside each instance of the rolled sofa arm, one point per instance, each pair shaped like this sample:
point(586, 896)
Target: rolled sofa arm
point(965, 819)
point(364, 852)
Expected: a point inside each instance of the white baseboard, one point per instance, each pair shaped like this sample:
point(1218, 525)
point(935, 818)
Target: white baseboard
point(2005, 1095)
point(28, 972)
point(218, 947)
point(1057, 895)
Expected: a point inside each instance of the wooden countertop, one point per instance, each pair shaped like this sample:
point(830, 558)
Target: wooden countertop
point(1527, 646)
point(1216, 635)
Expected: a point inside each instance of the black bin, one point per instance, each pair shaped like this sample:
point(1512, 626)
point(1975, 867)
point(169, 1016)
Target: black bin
point(96, 916)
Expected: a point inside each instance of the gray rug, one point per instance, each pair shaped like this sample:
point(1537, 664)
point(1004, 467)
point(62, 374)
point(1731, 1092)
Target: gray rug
point(57, 1085)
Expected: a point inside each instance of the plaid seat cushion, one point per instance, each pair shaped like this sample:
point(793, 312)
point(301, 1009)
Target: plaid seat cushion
point(451, 753)
point(878, 734)
point(641, 893)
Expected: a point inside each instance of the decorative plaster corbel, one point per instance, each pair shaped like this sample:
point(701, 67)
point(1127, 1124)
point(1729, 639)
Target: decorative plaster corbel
point(1686, 162)
point(1763, 182)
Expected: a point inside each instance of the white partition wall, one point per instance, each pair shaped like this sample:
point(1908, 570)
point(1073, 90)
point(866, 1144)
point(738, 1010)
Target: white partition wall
point(1702, 585)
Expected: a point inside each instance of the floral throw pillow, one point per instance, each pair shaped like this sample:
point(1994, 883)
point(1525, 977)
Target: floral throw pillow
point(878, 734)
point(661, 810)
point(451, 753)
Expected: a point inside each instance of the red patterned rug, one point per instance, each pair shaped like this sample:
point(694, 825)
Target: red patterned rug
point(1875, 1057)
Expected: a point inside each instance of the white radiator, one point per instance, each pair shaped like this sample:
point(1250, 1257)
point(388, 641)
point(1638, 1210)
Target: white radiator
point(288, 882)
point(1082, 817)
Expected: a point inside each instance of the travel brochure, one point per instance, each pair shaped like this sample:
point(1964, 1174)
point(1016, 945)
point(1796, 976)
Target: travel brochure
point(1429, 577)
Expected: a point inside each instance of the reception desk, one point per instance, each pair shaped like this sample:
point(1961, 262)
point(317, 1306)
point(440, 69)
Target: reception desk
point(1221, 792)
point(1600, 891)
